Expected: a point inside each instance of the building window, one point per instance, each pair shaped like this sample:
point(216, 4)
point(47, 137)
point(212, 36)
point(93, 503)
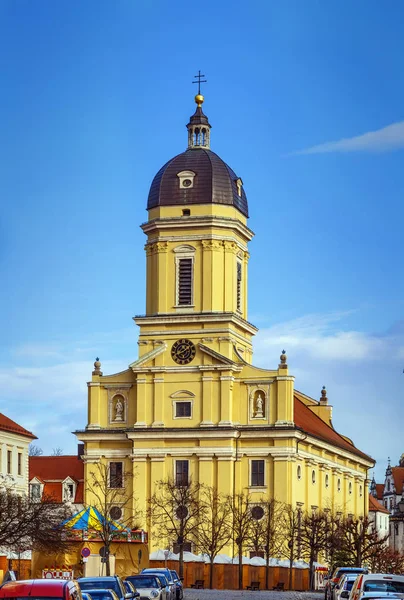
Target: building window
point(313, 477)
point(326, 481)
point(339, 485)
point(299, 472)
point(360, 491)
point(259, 553)
point(185, 281)
point(19, 465)
point(35, 491)
point(239, 286)
point(9, 461)
point(186, 212)
point(115, 475)
point(388, 485)
point(187, 547)
point(350, 488)
point(257, 473)
point(116, 513)
point(68, 492)
point(182, 409)
point(181, 472)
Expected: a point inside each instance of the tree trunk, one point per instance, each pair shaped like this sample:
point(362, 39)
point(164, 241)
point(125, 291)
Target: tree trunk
point(311, 571)
point(240, 567)
point(267, 570)
point(107, 565)
point(181, 573)
point(291, 556)
point(211, 572)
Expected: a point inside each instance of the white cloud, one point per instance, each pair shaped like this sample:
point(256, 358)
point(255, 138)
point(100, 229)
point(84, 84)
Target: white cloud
point(382, 140)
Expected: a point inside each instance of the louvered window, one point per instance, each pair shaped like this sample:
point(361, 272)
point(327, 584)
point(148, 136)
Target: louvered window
point(257, 473)
point(239, 286)
point(185, 281)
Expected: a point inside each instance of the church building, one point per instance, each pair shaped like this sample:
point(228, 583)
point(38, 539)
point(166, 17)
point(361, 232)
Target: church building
point(192, 404)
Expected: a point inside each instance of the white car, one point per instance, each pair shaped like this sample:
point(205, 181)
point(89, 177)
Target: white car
point(149, 587)
point(344, 586)
point(377, 585)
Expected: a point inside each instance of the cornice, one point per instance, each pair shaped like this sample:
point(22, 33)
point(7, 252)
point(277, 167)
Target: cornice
point(208, 317)
point(196, 222)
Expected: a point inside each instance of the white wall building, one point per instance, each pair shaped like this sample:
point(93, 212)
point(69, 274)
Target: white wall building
point(14, 442)
point(379, 516)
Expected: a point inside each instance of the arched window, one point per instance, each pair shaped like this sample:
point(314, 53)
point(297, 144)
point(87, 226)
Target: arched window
point(299, 472)
point(184, 262)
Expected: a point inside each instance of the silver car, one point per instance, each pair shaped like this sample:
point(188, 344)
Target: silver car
point(150, 587)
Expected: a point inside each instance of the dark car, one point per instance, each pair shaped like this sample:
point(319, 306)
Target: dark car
point(101, 595)
point(336, 576)
point(178, 585)
point(112, 582)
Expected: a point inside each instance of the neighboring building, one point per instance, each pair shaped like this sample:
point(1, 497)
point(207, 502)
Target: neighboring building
point(58, 477)
point(192, 404)
point(14, 443)
point(379, 517)
point(392, 492)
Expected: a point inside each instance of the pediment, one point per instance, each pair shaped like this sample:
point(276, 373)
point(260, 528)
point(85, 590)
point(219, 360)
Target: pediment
point(147, 359)
point(219, 358)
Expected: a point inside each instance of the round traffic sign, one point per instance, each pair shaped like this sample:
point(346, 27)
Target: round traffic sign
point(85, 552)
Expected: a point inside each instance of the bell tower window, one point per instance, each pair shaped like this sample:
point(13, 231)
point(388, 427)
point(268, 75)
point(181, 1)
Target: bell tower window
point(239, 279)
point(184, 259)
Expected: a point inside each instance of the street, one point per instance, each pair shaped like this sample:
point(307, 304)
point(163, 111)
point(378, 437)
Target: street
point(191, 594)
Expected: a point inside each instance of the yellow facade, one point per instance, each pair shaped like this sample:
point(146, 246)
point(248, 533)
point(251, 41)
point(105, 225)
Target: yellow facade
point(217, 411)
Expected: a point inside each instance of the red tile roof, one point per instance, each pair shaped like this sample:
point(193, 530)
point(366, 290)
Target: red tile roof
point(53, 470)
point(375, 506)
point(312, 424)
point(398, 476)
point(7, 424)
point(379, 490)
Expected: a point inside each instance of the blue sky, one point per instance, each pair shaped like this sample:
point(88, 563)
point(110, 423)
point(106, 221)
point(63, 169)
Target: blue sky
point(306, 103)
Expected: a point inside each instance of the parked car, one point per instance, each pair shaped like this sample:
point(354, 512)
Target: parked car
point(332, 581)
point(86, 596)
point(150, 587)
point(179, 588)
point(57, 589)
point(167, 575)
point(101, 594)
point(344, 586)
point(382, 584)
point(112, 582)
point(130, 587)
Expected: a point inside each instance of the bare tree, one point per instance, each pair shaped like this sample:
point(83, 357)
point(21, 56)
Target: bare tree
point(266, 530)
point(175, 512)
point(34, 450)
point(214, 528)
point(313, 537)
point(57, 451)
point(291, 527)
point(359, 539)
point(29, 525)
point(115, 502)
point(239, 508)
point(386, 560)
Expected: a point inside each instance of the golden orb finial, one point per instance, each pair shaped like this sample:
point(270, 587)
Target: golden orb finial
point(199, 99)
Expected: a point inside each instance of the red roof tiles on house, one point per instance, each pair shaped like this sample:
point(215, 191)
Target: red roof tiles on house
point(379, 490)
point(53, 470)
point(7, 424)
point(312, 424)
point(398, 476)
point(375, 506)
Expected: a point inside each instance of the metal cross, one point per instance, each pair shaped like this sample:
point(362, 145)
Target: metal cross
point(199, 81)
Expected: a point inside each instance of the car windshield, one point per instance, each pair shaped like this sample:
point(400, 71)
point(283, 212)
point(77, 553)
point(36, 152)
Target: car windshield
point(166, 574)
point(100, 584)
point(380, 585)
point(174, 575)
point(348, 584)
point(144, 582)
point(101, 595)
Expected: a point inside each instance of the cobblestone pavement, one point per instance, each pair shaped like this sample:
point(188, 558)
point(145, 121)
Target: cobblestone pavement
point(191, 594)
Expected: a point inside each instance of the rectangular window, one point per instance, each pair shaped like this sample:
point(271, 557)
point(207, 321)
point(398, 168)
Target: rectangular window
point(181, 472)
point(20, 463)
point(182, 409)
point(35, 489)
point(239, 286)
point(115, 475)
point(185, 281)
point(257, 473)
point(9, 459)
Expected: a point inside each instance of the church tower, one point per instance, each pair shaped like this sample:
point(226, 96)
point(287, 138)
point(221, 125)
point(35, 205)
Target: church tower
point(197, 252)
point(192, 406)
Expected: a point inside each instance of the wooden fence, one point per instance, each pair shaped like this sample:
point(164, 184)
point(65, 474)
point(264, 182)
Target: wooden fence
point(225, 577)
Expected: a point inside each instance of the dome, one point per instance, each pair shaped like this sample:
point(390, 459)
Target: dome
point(209, 180)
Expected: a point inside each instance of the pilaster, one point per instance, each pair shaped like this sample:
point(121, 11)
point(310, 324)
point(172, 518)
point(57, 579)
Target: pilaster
point(226, 400)
point(158, 401)
point(140, 402)
point(94, 398)
point(207, 399)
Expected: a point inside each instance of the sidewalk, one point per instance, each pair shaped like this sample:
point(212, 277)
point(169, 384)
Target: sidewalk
point(191, 594)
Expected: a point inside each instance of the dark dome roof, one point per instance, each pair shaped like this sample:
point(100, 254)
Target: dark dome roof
point(214, 183)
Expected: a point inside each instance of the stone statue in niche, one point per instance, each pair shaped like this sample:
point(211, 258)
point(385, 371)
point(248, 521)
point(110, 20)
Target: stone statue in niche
point(118, 409)
point(259, 406)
